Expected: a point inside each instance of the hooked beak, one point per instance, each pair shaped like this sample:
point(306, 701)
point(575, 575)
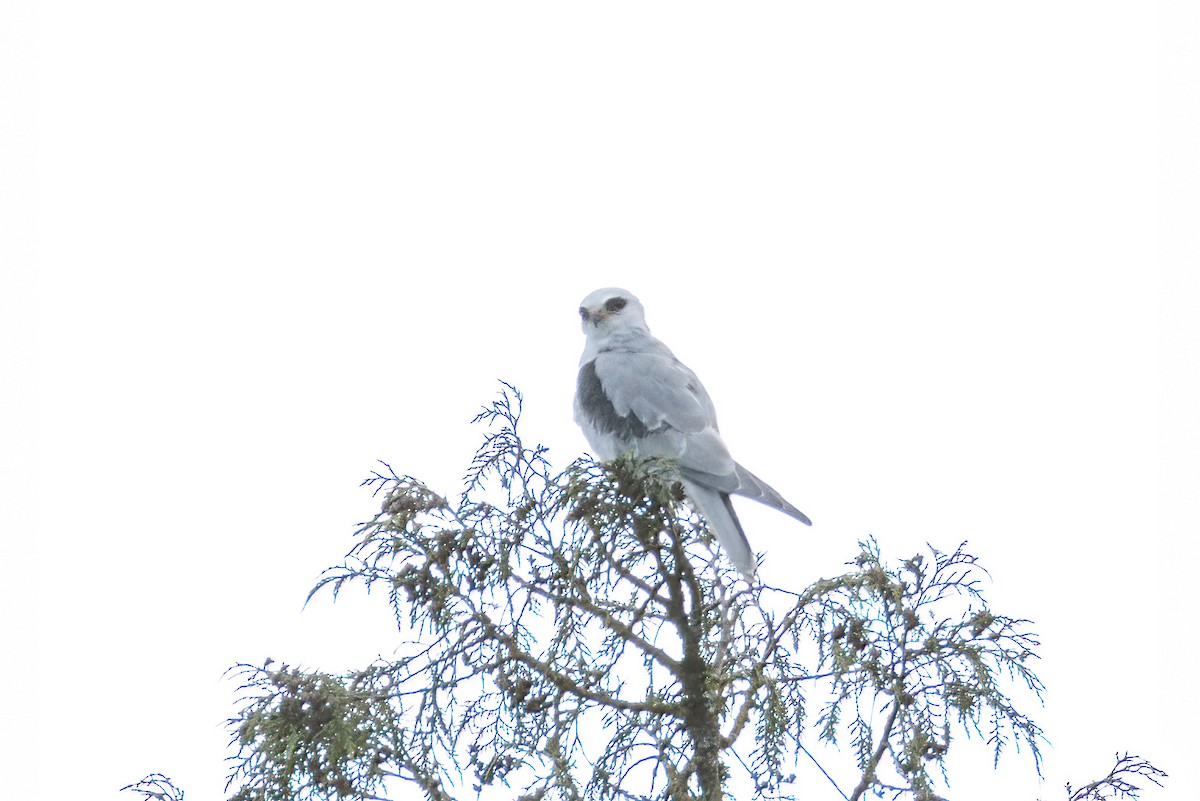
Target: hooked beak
point(594, 316)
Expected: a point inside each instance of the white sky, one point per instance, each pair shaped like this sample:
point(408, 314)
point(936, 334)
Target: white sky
point(935, 262)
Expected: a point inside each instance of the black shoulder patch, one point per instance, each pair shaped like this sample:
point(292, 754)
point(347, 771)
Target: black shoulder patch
point(600, 409)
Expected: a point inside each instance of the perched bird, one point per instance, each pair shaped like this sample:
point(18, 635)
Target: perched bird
point(634, 396)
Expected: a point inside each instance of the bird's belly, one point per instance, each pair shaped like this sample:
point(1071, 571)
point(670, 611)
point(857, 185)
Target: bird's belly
point(607, 446)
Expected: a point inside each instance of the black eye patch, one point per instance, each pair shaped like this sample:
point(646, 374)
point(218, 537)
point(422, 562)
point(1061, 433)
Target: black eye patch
point(615, 304)
point(583, 312)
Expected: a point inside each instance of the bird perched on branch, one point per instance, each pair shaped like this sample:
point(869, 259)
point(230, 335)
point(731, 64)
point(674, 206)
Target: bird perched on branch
point(634, 396)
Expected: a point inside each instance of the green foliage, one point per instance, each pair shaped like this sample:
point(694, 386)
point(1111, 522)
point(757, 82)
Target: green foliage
point(572, 635)
point(918, 640)
point(311, 735)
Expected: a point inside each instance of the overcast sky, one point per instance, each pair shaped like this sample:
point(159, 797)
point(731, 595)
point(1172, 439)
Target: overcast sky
point(935, 263)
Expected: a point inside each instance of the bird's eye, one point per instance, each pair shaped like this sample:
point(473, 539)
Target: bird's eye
point(615, 304)
point(583, 312)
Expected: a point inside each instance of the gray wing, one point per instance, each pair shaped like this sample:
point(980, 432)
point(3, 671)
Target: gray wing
point(651, 403)
point(743, 482)
point(662, 408)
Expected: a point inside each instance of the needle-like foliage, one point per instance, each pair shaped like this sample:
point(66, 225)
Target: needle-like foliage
point(1121, 781)
point(155, 787)
point(572, 635)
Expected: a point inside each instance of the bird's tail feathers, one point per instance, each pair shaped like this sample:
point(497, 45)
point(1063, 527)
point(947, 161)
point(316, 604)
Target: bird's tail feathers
point(754, 487)
point(717, 510)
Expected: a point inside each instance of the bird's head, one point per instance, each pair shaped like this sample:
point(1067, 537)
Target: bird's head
point(611, 309)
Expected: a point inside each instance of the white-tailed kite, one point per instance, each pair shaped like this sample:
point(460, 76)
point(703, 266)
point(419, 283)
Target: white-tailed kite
point(634, 396)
